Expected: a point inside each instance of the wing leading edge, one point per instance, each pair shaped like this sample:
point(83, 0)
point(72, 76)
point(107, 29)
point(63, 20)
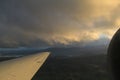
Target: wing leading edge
point(22, 68)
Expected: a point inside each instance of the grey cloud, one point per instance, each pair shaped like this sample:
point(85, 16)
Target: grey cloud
point(26, 21)
point(45, 22)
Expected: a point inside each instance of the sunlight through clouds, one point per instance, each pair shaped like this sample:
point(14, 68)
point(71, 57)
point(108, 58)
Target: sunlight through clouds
point(49, 22)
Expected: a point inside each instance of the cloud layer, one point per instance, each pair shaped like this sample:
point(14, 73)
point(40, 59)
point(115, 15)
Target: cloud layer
point(52, 22)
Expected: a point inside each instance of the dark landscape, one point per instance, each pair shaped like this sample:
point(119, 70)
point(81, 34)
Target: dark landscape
point(75, 68)
point(75, 64)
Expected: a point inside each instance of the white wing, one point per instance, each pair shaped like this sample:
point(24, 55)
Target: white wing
point(22, 68)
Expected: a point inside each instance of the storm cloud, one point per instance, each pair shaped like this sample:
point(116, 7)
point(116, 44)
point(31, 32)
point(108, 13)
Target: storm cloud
point(51, 22)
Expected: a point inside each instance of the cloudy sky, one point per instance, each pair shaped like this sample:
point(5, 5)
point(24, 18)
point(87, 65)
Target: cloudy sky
point(57, 22)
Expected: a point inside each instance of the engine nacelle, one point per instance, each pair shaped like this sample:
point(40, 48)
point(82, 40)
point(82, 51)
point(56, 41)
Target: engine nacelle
point(114, 56)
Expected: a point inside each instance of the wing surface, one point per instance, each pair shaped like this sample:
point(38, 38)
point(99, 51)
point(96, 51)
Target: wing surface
point(23, 68)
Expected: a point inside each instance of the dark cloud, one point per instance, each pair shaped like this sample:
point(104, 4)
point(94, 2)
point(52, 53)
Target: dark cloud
point(48, 22)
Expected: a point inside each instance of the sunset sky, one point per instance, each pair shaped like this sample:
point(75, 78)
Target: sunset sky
point(36, 23)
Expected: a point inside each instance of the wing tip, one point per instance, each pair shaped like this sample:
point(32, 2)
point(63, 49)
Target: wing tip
point(45, 53)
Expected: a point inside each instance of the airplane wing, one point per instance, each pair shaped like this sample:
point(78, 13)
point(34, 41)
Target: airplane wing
point(23, 68)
